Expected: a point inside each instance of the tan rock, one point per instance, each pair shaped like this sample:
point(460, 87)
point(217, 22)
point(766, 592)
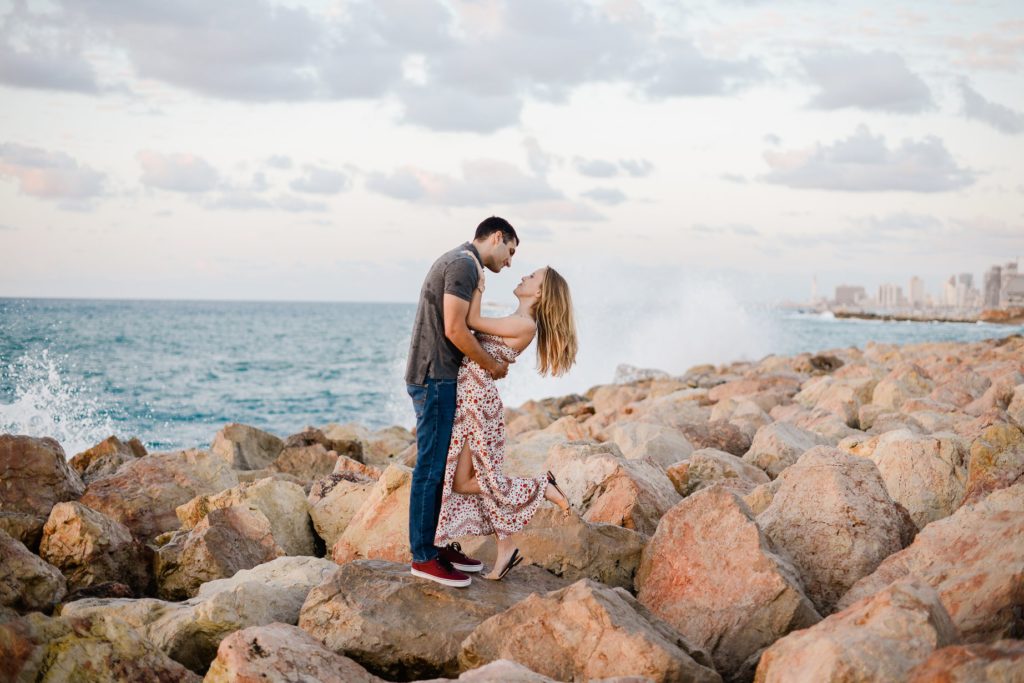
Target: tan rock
point(778, 445)
point(663, 445)
point(678, 409)
point(281, 653)
point(906, 380)
point(84, 650)
point(833, 518)
point(606, 633)
point(334, 502)
point(35, 475)
point(572, 548)
point(747, 386)
point(402, 627)
point(380, 448)
point(612, 398)
point(841, 397)
point(960, 387)
point(312, 436)
point(26, 527)
point(347, 464)
point(283, 503)
point(610, 489)
point(144, 493)
point(710, 572)
point(305, 462)
point(224, 542)
point(26, 581)
point(996, 461)
point(500, 671)
point(717, 434)
point(90, 548)
point(189, 632)
point(104, 458)
point(1015, 409)
point(925, 474)
point(525, 457)
point(709, 466)
point(568, 427)
point(380, 529)
point(880, 638)
point(975, 561)
point(246, 448)
point(761, 496)
point(999, 662)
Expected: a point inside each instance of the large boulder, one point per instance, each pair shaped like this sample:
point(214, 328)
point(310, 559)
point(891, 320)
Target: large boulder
point(906, 380)
point(35, 475)
point(189, 632)
point(925, 474)
point(26, 581)
point(246, 448)
point(305, 462)
point(27, 528)
point(525, 456)
point(611, 489)
point(832, 516)
point(104, 458)
point(711, 573)
point(379, 448)
point(90, 548)
point(281, 653)
point(975, 561)
point(880, 638)
point(841, 397)
point(663, 445)
point(776, 446)
point(996, 461)
point(503, 671)
point(603, 632)
point(402, 627)
point(999, 662)
point(1015, 409)
point(283, 503)
point(719, 434)
point(380, 528)
point(573, 548)
point(144, 493)
point(334, 502)
point(310, 436)
point(85, 650)
point(709, 466)
point(224, 542)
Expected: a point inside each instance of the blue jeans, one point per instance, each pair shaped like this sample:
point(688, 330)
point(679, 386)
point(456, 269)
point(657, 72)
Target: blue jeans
point(434, 404)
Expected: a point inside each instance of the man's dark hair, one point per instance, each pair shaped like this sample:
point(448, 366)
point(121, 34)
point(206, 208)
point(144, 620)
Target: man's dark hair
point(491, 225)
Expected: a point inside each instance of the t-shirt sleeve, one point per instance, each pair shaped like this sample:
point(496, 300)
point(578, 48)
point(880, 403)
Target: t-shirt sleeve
point(461, 277)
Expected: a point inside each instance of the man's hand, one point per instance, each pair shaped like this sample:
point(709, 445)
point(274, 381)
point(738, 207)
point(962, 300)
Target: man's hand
point(499, 369)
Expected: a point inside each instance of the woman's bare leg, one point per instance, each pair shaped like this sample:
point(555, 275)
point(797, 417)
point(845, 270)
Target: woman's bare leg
point(501, 558)
point(552, 494)
point(465, 480)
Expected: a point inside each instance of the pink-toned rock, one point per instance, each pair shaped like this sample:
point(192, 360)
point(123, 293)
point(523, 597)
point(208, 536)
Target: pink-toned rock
point(246, 448)
point(975, 561)
point(999, 662)
point(890, 421)
point(504, 671)
point(312, 436)
point(104, 458)
point(663, 445)
point(90, 548)
point(718, 434)
point(281, 653)
point(960, 387)
point(1015, 409)
point(711, 573)
point(744, 387)
point(880, 638)
point(708, 467)
point(305, 462)
point(145, 492)
point(832, 516)
point(906, 380)
point(347, 464)
point(26, 581)
point(607, 633)
point(761, 496)
point(525, 456)
point(996, 461)
point(778, 445)
point(226, 541)
point(380, 529)
point(402, 627)
point(611, 398)
point(925, 474)
point(598, 479)
point(380, 448)
point(567, 427)
point(840, 397)
point(35, 475)
point(678, 409)
point(335, 500)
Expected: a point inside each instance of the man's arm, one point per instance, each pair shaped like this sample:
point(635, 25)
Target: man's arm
point(455, 312)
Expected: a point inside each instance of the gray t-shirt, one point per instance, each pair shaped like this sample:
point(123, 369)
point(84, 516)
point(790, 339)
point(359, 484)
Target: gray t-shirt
point(431, 353)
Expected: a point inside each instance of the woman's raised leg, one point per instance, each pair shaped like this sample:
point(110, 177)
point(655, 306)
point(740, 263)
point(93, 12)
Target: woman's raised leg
point(465, 478)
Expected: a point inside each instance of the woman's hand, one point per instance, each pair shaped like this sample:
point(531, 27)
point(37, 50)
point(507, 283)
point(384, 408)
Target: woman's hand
point(481, 280)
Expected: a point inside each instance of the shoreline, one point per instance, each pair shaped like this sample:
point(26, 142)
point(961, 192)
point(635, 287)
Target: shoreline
point(1010, 316)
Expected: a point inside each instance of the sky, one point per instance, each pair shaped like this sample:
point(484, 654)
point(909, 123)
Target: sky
point(330, 150)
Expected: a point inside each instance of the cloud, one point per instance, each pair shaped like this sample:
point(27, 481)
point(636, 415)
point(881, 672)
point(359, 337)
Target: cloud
point(602, 168)
point(451, 109)
point(681, 69)
point(483, 182)
point(294, 204)
point(734, 177)
point(996, 115)
point(559, 210)
point(49, 175)
point(540, 162)
point(36, 53)
point(863, 162)
point(606, 195)
point(637, 168)
point(741, 229)
point(177, 172)
point(6, 228)
point(865, 80)
point(244, 200)
point(999, 48)
point(900, 222)
point(279, 161)
point(319, 180)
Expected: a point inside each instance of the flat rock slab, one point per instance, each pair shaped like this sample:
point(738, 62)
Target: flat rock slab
point(402, 627)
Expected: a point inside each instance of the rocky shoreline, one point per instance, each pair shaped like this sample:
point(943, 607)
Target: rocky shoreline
point(854, 515)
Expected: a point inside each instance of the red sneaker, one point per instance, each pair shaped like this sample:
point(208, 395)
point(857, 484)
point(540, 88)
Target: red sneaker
point(440, 571)
point(453, 554)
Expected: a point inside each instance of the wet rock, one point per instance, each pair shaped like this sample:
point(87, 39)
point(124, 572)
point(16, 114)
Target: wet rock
point(246, 448)
point(26, 581)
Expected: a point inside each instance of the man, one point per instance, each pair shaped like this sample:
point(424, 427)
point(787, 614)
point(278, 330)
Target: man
point(440, 339)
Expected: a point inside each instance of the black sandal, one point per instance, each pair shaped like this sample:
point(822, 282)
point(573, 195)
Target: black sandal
point(554, 482)
point(514, 560)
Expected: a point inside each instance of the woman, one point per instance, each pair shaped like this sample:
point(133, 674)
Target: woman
point(478, 498)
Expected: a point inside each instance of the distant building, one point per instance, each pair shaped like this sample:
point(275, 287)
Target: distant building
point(916, 291)
point(949, 292)
point(993, 286)
point(849, 295)
point(1014, 292)
point(1009, 283)
point(890, 296)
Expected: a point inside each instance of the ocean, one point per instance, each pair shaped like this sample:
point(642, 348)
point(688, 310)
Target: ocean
point(174, 372)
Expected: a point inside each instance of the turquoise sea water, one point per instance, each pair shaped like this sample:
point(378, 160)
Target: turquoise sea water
point(172, 373)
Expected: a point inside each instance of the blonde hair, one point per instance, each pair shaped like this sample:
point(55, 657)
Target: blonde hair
point(556, 327)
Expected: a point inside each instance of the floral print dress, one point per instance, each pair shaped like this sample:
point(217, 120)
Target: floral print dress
point(505, 504)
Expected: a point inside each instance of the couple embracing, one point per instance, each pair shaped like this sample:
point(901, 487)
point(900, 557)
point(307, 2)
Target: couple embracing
point(458, 485)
